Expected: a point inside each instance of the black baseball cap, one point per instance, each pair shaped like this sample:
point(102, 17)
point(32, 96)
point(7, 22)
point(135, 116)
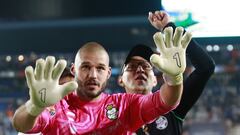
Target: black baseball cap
point(139, 50)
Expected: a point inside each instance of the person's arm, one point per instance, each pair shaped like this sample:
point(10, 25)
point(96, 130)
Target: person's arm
point(171, 95)
point(22, 120)
point(194, 84)
point(171, 61)
point(44, 91)
point(159, 20)
point(202, 62)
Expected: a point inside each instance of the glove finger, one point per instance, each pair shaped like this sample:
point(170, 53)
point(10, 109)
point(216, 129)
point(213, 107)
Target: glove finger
point(168, 36)
point(177, 37)
point(29, 76)
point(158, 39)
point(50, 61)
point(155, 60)
point(40, 63)
point(68, 88)
point(58, 69)
point(186, 39)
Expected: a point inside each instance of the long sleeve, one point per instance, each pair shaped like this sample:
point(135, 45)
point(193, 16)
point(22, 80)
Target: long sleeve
point(196, 81)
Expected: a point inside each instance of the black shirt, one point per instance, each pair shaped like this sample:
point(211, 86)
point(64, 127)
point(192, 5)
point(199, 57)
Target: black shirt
point(172, 122)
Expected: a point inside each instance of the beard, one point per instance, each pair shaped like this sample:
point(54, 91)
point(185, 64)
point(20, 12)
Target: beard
point(89, 94)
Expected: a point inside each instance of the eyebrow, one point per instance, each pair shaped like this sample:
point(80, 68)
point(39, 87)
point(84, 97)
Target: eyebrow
point(88, 63)
point(85, 63)
point(102, 65)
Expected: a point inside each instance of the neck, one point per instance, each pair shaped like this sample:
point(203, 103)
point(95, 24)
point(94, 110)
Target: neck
point(143, 92)
point(88, 98)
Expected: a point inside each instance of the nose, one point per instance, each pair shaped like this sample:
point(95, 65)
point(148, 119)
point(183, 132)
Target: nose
point(93, 73)
point(139, 69)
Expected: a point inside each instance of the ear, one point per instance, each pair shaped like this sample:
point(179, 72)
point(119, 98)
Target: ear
point(109, 72)
point(72, 69)
point(120, 81)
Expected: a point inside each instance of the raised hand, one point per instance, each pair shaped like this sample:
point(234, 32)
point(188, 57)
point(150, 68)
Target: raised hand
point(172, 58)
point(43, 83)
point(159, 19)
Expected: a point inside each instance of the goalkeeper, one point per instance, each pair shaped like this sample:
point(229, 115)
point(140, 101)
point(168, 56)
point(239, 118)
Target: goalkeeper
point(172, 122)
point(83, 108)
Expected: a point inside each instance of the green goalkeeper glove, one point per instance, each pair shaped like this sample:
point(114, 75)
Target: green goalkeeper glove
point(172, 58)
point(43, 83)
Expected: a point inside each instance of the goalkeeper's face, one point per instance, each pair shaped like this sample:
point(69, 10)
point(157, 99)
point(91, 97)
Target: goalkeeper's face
point(138, 76)
point(92, 74)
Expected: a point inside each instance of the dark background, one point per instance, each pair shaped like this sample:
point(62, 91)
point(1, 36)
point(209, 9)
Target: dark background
point(64, 25)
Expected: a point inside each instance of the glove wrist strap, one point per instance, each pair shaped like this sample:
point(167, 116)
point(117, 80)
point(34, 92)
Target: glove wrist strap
point(173, 80)
point(33, 109)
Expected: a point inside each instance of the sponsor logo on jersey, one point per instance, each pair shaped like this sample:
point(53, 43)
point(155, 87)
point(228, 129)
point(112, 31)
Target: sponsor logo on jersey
point(161, 122)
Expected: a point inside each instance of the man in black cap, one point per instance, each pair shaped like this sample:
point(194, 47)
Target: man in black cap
point(140, 72)
point(139, 83)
